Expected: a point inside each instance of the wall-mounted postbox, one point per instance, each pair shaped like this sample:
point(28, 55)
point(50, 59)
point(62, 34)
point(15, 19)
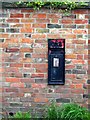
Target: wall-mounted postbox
point(56, 61)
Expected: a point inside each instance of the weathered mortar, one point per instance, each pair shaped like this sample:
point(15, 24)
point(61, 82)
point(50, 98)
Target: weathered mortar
point(24, 57)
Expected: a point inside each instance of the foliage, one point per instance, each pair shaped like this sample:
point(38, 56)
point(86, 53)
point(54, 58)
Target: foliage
point(22, 116)
point(68, 111)
point(66, 5)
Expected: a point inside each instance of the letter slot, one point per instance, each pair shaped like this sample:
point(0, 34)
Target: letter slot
point(56, 61)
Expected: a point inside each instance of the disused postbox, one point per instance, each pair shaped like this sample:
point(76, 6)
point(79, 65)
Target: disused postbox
point(56, 61)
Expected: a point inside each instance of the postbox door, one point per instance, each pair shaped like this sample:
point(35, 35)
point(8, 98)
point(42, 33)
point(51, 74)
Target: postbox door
point(56, 69)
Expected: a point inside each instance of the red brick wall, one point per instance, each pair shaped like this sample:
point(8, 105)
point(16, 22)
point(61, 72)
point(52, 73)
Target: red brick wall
point(24, 57)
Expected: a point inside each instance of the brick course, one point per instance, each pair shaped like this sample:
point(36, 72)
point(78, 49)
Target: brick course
point(24, 49)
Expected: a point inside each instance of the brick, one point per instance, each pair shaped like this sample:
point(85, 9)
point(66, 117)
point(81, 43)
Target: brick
point(72, 56)
point(4, 35)
point(44, 20)
point(40, 100)
point(12, 20)
point(70, 46)
point(77, 91)
point(16, 25)
point(12, 80)
point(70, 76)
point(16, 15)
point(27, 10)
point(78, 31)
point(37, 76)
point(80, 57)
point(79, 86)
point(26, 40)
point(26, 60)
point(69, 66)
point(67, 21)
point(53, 36)
point(78, 61)
point(39, 25)
point(81, 21)
point(27, 20)
point(79, 41)
point(27, 25)
point(36, 36)
point(38, 56)
point(11, 90)
point(16, 65)
point(26, 30)
point(12, 49)
point(27, 65)
point(26, 50)
point(80, 11)
point(53, 16)
point(41, 15)
point(69, 36)
point(35, 85)
point(17, 85)
point(54, 20)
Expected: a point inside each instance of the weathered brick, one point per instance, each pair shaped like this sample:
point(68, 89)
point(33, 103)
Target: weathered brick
point(54, 26)
point(62, 100)
point(69, 26)
point(1, 40)
point(12, 30)
point(69, 16)
point(27, 55)
point(42, 30)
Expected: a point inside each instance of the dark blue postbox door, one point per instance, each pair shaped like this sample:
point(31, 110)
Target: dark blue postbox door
point(56, 63)
point(56, 69)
